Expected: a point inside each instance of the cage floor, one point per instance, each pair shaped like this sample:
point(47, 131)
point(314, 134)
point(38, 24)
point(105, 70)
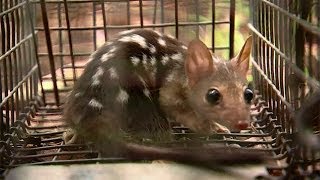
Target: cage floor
point(38, 139)
point(132, 171)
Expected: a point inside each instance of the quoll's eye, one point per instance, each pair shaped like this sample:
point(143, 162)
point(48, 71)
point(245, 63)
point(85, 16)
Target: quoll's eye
point(248, 95)
point(213, 96)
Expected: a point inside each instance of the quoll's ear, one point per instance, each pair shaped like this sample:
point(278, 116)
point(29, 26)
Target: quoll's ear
point(242, 60)
point(199, 61)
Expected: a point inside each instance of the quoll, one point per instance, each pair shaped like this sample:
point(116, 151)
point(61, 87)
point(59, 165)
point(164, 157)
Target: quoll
point(141, 80)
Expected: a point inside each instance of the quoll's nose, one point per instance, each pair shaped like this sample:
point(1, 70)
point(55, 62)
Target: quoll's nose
point(242, 125)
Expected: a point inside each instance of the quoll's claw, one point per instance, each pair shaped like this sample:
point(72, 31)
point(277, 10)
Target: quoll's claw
point(70, 136)
point(220, 129)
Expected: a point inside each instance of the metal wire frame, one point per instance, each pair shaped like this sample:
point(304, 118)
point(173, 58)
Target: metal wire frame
point(34, 144)
point(286, 66)
point(19, 66)
point(73, 54)
point(30, 143)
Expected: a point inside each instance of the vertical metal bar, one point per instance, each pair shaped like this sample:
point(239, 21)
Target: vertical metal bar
point(162, 14)
point(141, 13)
point(24, 24)
point(104, 20)
point(2, 123)
point(94, 21)
point(27, 68)
point(128, 13)
point(11, 59)
point(213, 17)
point(232, 25)
point(280, 68)
point(17, 56)
point(35, 46)
point(176, 18)
point(318, 39)
point(287, 37)
point(270, 61)
point(260, 50)
point(50, 52)
point(5, 65)
point(155, 12)
point(254, 14)
point(197, 17)
point(61, 44)
point(66, 9)
point(267, 55)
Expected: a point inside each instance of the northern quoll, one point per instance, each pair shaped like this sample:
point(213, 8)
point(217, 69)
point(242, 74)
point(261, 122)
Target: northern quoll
point(139, 81)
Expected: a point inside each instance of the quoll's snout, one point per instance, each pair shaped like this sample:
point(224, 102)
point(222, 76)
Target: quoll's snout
point(235, 118)
point(242, 125)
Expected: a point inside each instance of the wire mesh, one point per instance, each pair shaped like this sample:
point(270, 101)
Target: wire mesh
point(286, 66)
point(61, 22)
point(18, 67)
point(42, 55)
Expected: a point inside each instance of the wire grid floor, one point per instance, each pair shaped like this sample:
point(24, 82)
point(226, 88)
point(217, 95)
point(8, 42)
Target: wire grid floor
point(38, 140)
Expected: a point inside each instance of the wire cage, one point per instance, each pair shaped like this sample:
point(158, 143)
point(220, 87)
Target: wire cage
point(45, 45)
point(286, 70)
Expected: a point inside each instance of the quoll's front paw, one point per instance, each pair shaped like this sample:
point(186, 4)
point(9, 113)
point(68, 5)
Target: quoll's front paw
point(220, 129)
point(70, 136)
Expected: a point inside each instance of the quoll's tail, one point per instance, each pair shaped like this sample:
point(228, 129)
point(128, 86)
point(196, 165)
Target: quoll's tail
point(208, 157)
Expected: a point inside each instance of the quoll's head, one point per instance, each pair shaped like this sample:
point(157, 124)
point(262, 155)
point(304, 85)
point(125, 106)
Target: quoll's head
point(218, 90)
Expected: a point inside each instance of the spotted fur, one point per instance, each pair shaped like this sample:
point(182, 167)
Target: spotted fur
point(136, 82)
point(124, 78)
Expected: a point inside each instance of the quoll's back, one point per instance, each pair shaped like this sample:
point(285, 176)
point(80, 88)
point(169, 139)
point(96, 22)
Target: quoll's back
point(135, 83)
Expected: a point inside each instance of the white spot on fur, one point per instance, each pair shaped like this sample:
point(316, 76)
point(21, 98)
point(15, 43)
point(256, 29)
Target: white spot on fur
point(136, 39)
point(96, 77)
point(109, 43)
point(153, 61)
point(109, 54)
point(146, 92)
point(113, 73)
point(170, 36)
point(177, 56)
point(153, 74)
point(184, 47)
point(106, 56)
point(142, 81)
point(144, 61)
point(122, 96)
point(157, 32)
point(144, 57)
point(162, 42)
point(78, 94)
point(135, 60)
point(95, 104)
point(126, 31)
point(112, 49)
point(171, 76)
point(165, 59)
point(152, 49)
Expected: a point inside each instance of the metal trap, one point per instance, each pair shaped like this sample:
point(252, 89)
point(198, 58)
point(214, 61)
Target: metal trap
point(45, 45)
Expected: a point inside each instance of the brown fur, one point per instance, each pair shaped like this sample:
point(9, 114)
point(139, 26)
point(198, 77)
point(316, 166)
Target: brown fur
point(184, 98)
point(181, 98)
